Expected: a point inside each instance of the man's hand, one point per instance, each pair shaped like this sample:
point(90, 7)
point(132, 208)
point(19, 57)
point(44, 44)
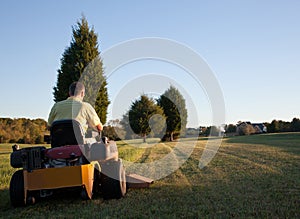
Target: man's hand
point(99, 127)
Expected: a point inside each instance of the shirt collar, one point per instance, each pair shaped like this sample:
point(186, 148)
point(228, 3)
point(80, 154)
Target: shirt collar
point(74, 98)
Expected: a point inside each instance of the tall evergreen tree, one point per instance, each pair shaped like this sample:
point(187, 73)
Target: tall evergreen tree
point(142, 114)
point(175, 111)
point(81, 62)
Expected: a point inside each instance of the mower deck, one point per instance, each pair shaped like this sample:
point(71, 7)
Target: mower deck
point(55, 178)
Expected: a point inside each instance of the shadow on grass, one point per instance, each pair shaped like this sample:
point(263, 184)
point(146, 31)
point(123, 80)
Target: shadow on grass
point(289, 142)
point(4, 200)
point(244, 198)
point(231, 186)
point(262, 196)
point(61, 200)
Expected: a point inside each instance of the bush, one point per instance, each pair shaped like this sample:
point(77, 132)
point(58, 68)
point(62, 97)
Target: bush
point(113, 133)
point(246, 129)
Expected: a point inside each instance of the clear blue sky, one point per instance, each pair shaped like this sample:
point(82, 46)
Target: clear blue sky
point(252, 46)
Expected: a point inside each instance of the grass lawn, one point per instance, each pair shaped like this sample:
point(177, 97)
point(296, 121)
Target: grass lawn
point(254, 176)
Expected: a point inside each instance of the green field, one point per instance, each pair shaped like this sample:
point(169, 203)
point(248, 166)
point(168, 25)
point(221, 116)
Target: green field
point(254, 176)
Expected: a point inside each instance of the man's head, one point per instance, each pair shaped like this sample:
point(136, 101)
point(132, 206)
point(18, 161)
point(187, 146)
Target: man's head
point(77, 89)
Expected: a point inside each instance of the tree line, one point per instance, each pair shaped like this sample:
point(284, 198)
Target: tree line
point(32, 131)
point(26, 131)
point(283, 126)
point(243, 128)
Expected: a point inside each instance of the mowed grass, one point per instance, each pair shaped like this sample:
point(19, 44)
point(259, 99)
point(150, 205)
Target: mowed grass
point(250, 177)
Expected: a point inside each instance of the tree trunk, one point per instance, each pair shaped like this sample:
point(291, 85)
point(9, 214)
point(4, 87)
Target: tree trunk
point(144, 138)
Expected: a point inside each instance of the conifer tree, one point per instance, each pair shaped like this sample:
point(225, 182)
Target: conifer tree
point(173, 104)
point(142, 113)
point(81, 62)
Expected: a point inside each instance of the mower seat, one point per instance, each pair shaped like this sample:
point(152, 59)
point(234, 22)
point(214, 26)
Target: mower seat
point(66, 132)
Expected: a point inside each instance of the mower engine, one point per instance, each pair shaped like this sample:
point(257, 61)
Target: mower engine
point(39, 157)
point(30, 158)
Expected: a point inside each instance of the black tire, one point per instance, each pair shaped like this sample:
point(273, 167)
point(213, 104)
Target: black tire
point(16, 189)
point(84, 195)
point(114, 188)
point(30, 200)
point(97, 182)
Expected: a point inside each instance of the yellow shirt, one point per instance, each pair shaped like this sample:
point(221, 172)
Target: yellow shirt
point(74, 108)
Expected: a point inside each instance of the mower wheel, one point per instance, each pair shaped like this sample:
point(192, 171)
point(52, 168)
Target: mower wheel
point(30, 200)
point(16, 189)
point(84, 195)
point(97, 182)
point(114, 187)
point(122, 182)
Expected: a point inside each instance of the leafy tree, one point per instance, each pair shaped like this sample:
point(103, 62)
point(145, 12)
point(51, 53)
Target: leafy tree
point(231, 128)
point(212, 131)
point(129, 134)
point(245, 129)
point(143, 117)
point(22, 130)
point(175, 111)
point(273, 127)
point(284, 126)
point(113, 130)
point(81, 61)
point(295, 125)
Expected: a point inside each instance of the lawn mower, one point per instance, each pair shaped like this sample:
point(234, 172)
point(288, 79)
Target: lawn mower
point(71, 162)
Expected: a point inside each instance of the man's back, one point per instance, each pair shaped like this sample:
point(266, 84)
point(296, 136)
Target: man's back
point(75, 108)
point(72, 108)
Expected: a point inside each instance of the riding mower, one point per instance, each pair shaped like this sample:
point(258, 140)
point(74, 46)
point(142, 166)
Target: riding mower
point(71, 162)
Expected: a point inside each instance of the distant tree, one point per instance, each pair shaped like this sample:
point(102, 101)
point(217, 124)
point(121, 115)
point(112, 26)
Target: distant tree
point(142, 113)
point(284, 126)
point(267, 124)
point(273, 126)
point(39, 139)
point(81, 60)
point(202, 130)
point(22, 130)
point(113, 130)
point(212, 131)
point(245, 129)
point(129, 133)
point(231, 128)
point(295, 125)
point(173, 104)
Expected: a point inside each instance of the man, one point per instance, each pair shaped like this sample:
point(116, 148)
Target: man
point(74, 108)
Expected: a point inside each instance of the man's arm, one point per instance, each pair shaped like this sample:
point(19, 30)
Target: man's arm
point(51, 116)
point(93, 119)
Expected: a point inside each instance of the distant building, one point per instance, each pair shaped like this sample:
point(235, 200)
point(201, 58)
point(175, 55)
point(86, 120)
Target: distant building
point(193, 132)
point(222, 130)
point(260, 127)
